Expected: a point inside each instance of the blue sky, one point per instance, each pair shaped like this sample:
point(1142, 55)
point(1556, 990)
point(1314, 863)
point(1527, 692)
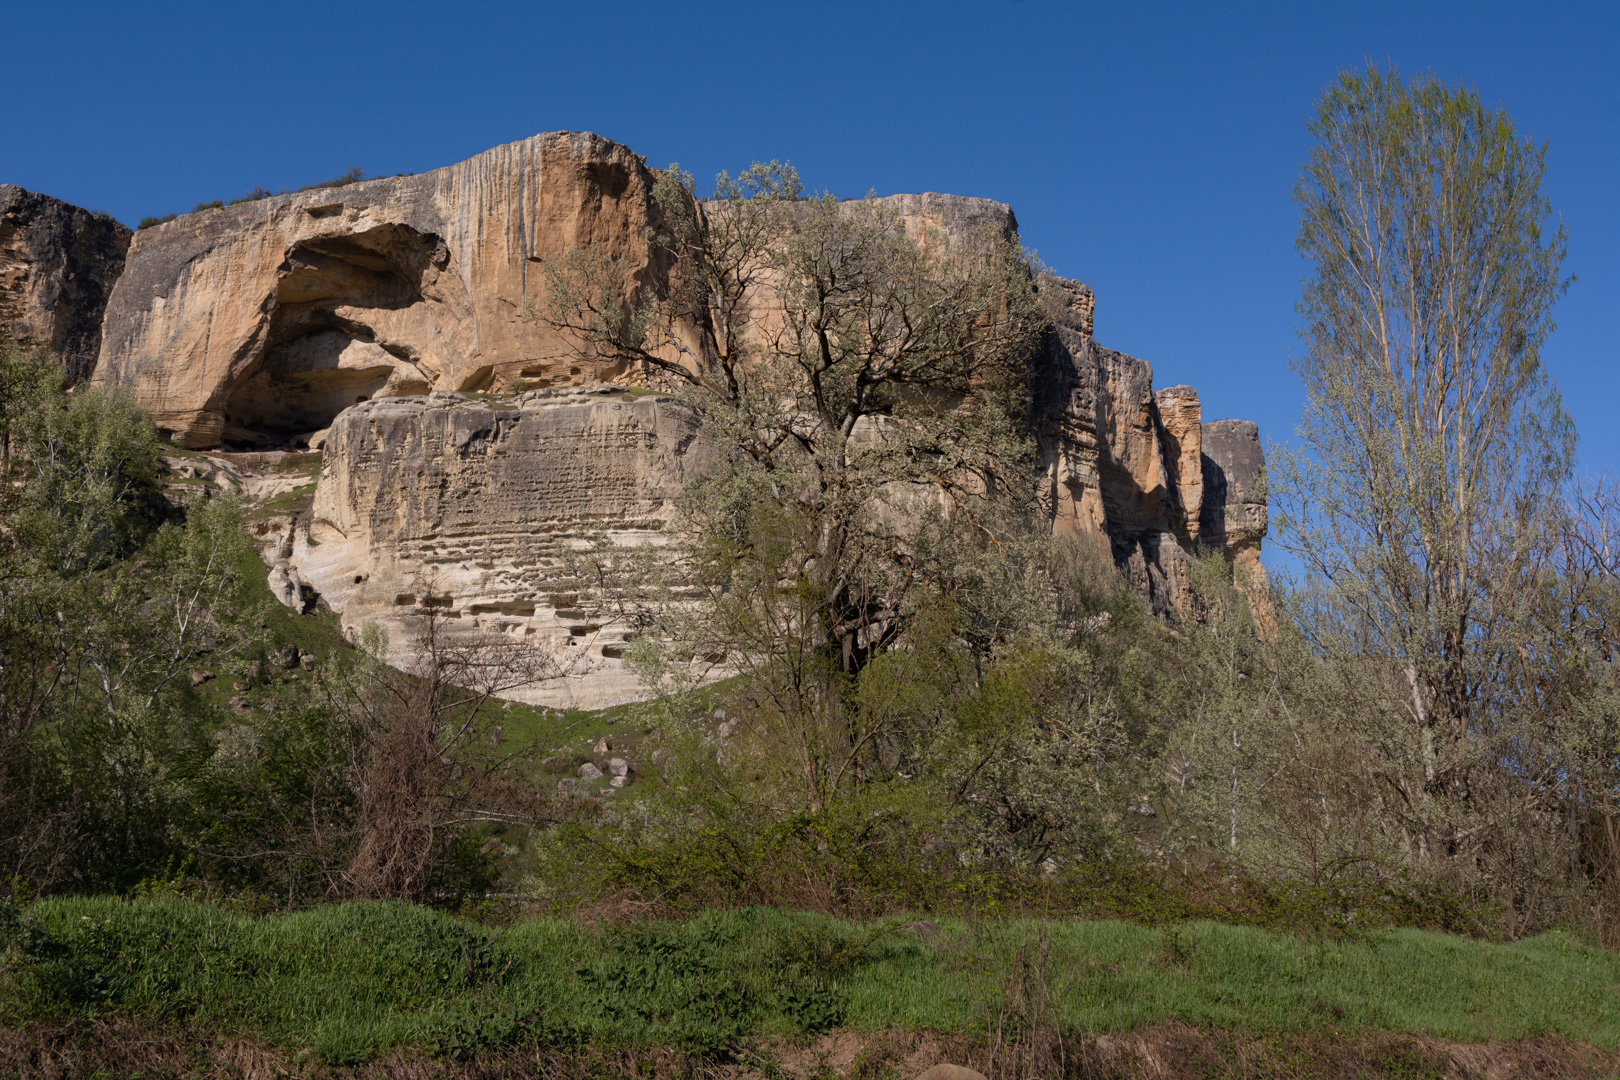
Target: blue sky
point(1148, 150)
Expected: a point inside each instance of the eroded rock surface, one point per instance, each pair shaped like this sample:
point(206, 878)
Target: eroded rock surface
point(1234, 512)
point(1133, 467)
point(258, 323)
point(493, 512)
point(1109, 474)
point(58, 263)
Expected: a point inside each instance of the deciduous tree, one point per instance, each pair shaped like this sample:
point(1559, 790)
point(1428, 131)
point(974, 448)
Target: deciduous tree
point(1434, 444)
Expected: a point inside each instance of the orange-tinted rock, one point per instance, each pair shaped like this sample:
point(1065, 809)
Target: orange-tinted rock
point(1181, 430)
point(259, 322)
point(1136, 468)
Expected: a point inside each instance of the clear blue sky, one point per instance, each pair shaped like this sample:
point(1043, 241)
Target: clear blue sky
point(1147, 149)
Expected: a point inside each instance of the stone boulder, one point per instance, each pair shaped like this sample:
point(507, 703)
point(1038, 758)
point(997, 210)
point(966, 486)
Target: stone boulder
point(58, 265)
point(951, 1072)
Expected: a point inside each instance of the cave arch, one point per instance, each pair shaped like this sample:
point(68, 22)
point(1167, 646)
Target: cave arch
point(353, 317)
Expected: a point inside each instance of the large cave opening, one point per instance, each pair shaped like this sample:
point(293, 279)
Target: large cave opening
point(346, 325)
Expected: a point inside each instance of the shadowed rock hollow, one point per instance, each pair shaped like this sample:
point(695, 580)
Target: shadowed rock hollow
point(258, 323)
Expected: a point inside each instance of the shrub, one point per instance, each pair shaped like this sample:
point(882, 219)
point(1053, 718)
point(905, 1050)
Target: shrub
point(352, 175)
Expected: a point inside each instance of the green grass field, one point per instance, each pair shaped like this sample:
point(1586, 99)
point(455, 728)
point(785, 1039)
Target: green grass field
point(349, 982)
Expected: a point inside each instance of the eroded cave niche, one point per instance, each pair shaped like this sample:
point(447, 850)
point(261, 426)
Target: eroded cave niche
point(353, 317)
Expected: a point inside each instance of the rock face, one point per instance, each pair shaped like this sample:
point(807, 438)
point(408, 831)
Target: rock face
point(58, 263)
point(494, 512)
point(359, 319)
point(1234, 512)
point(260, 322)
point(1133, 467)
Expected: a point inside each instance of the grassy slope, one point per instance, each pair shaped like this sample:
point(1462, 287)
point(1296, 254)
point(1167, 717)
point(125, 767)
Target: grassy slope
point(353, 980)
point(1109, 976)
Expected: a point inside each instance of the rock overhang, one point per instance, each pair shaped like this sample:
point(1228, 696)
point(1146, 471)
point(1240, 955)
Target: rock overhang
point(438, 270)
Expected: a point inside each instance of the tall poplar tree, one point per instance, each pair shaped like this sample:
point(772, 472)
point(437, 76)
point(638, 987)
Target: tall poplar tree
point(1434, 444)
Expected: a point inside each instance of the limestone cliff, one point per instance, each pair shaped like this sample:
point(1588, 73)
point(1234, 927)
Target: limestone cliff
point(1131, 467)
point(362, 317)
point(258, 323)
point(1234, 512)
point(58, 263)
point(484, 506)
point(490, 506)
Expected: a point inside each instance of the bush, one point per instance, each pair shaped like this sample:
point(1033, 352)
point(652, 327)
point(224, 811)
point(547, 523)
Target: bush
point(352, 175)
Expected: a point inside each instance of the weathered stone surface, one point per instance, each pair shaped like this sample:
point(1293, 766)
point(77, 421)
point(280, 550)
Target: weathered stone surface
point(58, 263)
point(1137, 468)
point(1064, 409)
point(260, 321)
point(1182, 434)
point(956, 217)
point(1109, 471)
point(484, 506)
point(1234, 514)
point(951, 1072)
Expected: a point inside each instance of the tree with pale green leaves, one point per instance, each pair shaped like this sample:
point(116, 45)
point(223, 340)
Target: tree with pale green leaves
point(1434, 445)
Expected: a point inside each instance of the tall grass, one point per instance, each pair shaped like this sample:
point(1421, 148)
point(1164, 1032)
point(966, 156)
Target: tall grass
point(352, 981)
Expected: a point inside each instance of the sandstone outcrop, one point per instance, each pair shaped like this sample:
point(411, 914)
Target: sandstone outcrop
point(498, 509)
point(1132, 467)
point(58, 263)
point(493, 512)
point(1233, 516)
point(258, 323)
